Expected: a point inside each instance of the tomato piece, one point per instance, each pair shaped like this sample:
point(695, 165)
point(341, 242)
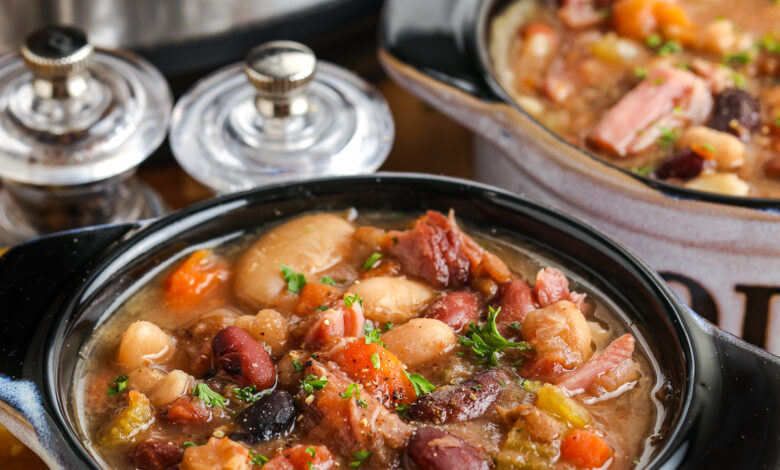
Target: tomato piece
point(585, 449)
point(302, 457)
point(195, 279)
point(379, 371)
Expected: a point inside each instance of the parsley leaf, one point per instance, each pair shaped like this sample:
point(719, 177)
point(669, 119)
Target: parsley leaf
point(310, 450)
point(420, 384)
point(388, 326)
point(349, 300)
point(353, 390)
point(738, 57)
point(117, 385)
point(670, 47)
point(375, 360)
point(653, 41)
point(250, 393)
point(485, 341)
point(328, 280)
point(186, 444)
point(297, 365)
point(643, 170)
point(295, 281)
point(257, 459)
point(312, 383)
point(668, 137)
point(372, 335)
point(359, 457)
point(371, 260)
point(641, 72)
point(321, 308)
point(402, 410)
point(208, 396)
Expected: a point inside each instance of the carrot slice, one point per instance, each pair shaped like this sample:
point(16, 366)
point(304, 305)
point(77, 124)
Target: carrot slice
point(314, 295)
point(379, 371)
point(585, 449)
point(195, 279)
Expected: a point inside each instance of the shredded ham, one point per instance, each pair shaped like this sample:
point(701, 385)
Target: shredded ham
point(335, 323)
point(611, 357)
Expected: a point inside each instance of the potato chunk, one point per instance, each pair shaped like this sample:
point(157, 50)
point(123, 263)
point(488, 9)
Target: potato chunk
point(420, 340)
point(308, 245)
point(216, 454)
point(394, 299)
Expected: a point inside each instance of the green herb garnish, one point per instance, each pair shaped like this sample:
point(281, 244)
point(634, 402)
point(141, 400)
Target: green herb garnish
point(295, 281)
point(485, 341)
point(739, 80)
point(249, 394)
point(653, 41)
point(372, 335)
point(371, 260)
point(350, 300)
point(670, 47)
point(117, 385)
point(310, 450)
point(388, 326)
point(353, 390)
point(641, 72)
point(643, 170)
point(321, 308)
point(531, 386)
point(312, 383)
point(420, 384)
point(359, 457)
point(257, 459)
point(186, 444)
point(297, 365)
point(208, 396)
point(515, 325)
point(328, 280)
point(668, 137)
point(402, 410)
point(375, 360)
point(738, 57)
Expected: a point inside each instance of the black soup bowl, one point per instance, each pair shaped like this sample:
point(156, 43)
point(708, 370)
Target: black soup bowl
point(722, 410)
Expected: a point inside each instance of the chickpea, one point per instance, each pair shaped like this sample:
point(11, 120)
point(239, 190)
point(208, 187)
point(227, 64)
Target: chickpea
point(391, 299)
point(420, 340)
point(171, 387)
point(142, 344)
point(269, 327)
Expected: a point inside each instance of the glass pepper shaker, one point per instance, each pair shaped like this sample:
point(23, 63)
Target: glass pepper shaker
point(280, 115)
point(75, 122)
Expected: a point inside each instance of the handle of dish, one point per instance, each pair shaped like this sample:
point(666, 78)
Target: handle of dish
point(737, 391)
point(436, 37)
point(33, 277)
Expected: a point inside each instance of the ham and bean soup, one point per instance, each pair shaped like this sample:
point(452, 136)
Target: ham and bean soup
point(683, 91)
point(337, 341)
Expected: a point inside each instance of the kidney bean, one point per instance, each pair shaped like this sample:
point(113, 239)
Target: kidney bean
point(271, 417)
point(244, 358)
point(433, 449)
point(456, 309)
point(735, 111)
point(467, 400)
point(684, 165)
point(156, 455)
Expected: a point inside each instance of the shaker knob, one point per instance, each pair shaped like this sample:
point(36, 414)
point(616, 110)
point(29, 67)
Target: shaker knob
point(280, 72)
point(57, 52)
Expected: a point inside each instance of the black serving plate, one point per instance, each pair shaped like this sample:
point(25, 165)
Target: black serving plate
point(56, 290)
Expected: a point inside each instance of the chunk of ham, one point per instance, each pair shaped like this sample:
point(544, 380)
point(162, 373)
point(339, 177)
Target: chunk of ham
point(579, 14)
point(350, 427)
point(335, 323)
point(613, 356)
point(668, 99)
point(516, 300)
point(551, 286)
point(437, 251)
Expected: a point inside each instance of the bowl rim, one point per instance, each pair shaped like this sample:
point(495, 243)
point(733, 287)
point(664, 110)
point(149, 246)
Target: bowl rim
point(671, 309)
point(488, 10)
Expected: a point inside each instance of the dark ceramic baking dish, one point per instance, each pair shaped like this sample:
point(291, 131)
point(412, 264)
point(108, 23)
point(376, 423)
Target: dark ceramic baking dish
point(56, 290)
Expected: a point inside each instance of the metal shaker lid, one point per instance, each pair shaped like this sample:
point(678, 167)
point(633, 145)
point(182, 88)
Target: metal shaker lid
point(74, 114)
point(279, 115)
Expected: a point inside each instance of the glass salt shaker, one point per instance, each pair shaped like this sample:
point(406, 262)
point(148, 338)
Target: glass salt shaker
point(280, 115)
point(75, 122)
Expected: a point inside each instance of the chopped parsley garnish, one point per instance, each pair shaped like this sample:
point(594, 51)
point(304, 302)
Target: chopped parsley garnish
point(641, 72)
point(371, 260)
point(372, 335)
point(389, 325)
point(738, 57)
point(771, 44)
point(395, 240)
point(402, 410)
point(312, 383)
point(349, 300)
point(659, 81)
point(670, 47)
point(328, 280)
point(485, 341)
point(353, 390)
point(653, 41)
point(635, 461)
point(249, 394)
point(668, 137)
point(777, 121)
point(518, 362)
point(708, 147)
point(477, 387)
point(295, 281)
point(297, 365)
point(739, 80)
point(502, 383)
point(375, 360)
point(257, 459)
point(310, 450)
point(515, 325)
point(359, 457)
point(531, 386)
point(321, 308)
point(117, 385)
point(208, 396)
point(643, 170)
point(420, 384)
point(186, 444)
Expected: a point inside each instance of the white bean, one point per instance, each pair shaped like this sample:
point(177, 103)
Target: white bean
point(171, 387)
point(307, 245)
point(721, 183)
point(394, 299)
point(143, 344)
point(420, 340)
point(727, 150)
